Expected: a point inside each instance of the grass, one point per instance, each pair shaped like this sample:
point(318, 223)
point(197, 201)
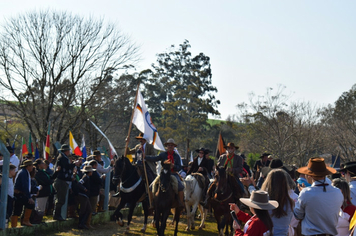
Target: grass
point(111, 228)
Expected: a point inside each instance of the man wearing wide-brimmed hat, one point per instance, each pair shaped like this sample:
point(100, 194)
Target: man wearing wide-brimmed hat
point(174, 158)
point(231, 161)
point(259, 164)
point(13, 158)
point(22, 195)
point(148, 150)
point(318, 206)
point(350, 175)
point(64, 178)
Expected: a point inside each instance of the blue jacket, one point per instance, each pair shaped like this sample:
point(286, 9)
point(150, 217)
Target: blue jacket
point(164, 156)
point(22, 182)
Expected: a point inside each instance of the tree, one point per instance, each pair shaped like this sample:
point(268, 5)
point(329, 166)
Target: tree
point(53, 64)
point(180, 94)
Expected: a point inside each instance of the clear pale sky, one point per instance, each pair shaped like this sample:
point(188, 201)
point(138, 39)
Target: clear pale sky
point(307, 45)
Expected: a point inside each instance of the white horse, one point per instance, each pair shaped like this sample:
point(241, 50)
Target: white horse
point(193, 193)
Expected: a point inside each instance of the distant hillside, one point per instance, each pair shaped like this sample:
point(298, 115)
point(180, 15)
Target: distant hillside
point(215, 122)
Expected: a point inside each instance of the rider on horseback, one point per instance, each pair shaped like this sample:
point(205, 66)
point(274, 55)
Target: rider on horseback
point(176, 165)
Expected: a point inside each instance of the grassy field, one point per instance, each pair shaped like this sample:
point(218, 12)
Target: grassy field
point(111, 228)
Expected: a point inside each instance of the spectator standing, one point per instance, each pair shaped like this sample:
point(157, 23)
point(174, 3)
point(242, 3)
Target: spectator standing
point(63, 180)
point(22, 194)
point(83, 198)
point(13, 158)
point(318, 206)
point(95, 186)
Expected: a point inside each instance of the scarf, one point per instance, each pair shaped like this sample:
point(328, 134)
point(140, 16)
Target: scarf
point(229, 160)
point(170, 158)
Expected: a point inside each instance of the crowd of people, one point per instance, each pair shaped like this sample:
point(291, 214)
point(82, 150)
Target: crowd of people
point(311, 200)
point(41, 187)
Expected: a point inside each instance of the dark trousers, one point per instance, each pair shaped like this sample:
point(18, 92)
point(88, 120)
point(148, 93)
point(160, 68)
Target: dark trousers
point(61, 188)
point(85, 208)
point(21, 201)
point(10, 205)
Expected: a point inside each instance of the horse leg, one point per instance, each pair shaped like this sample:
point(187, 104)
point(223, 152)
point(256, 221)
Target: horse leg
point(145, 212)
point(187, 208)
point(118, 214)
point(129, 216)
point(164, 218)
point(192, 215)
point(177, 217)
point(203, 213)
point(157, 220)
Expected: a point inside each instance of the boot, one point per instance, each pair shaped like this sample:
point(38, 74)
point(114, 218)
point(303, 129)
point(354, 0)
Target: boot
point(81, 224)
point(89, 221)
point(181, 198)
point(26, 219)
point(14, 220)
point(57, 214)
point(100, 207)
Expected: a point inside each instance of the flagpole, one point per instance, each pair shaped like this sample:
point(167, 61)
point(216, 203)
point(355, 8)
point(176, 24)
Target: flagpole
point(127, 144)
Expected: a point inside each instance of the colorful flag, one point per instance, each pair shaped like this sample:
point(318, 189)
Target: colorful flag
point(112, 149)
point(37, 153)
point(24, 148)
point(143, 122)
point(44, 152)
point(13, 145)
point(30, 146)
point(47, 147)
point(84, 149)
point(220, 148)
point(74, 146)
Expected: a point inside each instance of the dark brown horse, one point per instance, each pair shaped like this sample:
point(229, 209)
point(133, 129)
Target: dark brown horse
point(225, 190)
point(132, 190)
point(164, 199)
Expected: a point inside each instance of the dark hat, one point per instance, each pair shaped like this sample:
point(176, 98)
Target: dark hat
point(350, 166)
point(316, 167)
point(206, 151)
point(65, 147)
point(93, 162)
point(264, 155)
point(10, 149)
point(140, 136)
point(96, 153)
point(200, 150)
point(88, 168)
point(260, 200)
point(170, 141)
point(26, 163)
point(1, 155)
point(12, 166)
point(29, 155)
point(38, 162)
point(230, 145)
point(275, 164)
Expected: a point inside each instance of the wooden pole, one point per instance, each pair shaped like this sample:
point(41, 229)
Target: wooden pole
point(127, 144)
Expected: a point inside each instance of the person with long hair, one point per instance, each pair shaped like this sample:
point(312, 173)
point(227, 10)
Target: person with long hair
point(276, 184)
point(347, 208)
point(260, 224)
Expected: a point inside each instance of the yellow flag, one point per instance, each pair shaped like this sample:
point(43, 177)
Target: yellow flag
point(352, 222)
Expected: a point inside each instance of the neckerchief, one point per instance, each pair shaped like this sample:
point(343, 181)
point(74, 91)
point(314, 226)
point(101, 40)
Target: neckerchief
point(229, 160)
point(170, 158)
point(322, 184)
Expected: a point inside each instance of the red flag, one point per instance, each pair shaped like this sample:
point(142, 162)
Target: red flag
point(220, 148)
point(24, 148)
point(47, 148)
point(73, 144)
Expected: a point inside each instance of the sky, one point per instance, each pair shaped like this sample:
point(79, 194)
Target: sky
point(306, 45)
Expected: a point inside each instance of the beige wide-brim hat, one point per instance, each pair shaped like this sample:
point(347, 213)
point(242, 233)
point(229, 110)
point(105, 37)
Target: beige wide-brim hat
point(316, 167)
point(170, 141)
point(260, 200)
point(88, 168)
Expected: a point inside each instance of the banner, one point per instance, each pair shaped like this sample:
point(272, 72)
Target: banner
point(143, 122)
point(112, 149)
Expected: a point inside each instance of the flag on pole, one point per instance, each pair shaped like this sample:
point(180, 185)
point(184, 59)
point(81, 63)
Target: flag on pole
point(30, 146)
point(112, 149)
point(13, 145)
point(84, 149)
point(37, 153)
point(220, 148)
point(46, 149)
point(74, 146)
point(143, 122)
point(24, 148)
point(191, 157)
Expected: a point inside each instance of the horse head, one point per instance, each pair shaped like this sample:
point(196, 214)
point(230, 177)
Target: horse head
point(119, 169)
point(165, 176)
point(220, 180)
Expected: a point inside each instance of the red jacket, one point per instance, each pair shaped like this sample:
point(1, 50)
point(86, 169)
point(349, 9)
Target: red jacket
point(255, 226)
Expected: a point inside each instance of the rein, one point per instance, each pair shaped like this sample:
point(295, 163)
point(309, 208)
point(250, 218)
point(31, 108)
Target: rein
point(221, 201)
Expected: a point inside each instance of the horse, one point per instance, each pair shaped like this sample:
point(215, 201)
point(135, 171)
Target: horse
point(164, 199)
point(192, 193)
point(227, 190)
point(132, 190)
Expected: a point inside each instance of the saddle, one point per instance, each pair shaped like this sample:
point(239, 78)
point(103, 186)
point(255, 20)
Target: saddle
point(156, 183)
point(200, 178)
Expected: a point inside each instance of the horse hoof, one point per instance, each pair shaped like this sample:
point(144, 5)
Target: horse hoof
point(200, 228)
point(187, 229)
point(192, 228)
point(128, 228)
point(120, 222)
point(143, 230)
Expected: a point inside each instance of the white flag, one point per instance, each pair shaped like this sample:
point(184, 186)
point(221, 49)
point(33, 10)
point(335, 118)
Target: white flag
point(143, 122)
point(110, 144)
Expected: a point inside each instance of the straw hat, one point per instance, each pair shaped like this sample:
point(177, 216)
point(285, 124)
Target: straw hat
point(230, 145)
point(316, 167)
point(140, 136)
point(260, 200)
point(88, 168)
point(170, 141)
point(26, 163)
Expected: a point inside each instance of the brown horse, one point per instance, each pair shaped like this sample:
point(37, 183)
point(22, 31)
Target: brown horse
point(225, 190)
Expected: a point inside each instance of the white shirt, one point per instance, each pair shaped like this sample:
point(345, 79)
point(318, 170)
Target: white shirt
point(10, 188)
point(319, 210)
point(101, 170)
point(15, 161)
point(199, 160)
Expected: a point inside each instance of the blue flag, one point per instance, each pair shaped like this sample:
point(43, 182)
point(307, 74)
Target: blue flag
point(37, 153)
point(84, 149)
